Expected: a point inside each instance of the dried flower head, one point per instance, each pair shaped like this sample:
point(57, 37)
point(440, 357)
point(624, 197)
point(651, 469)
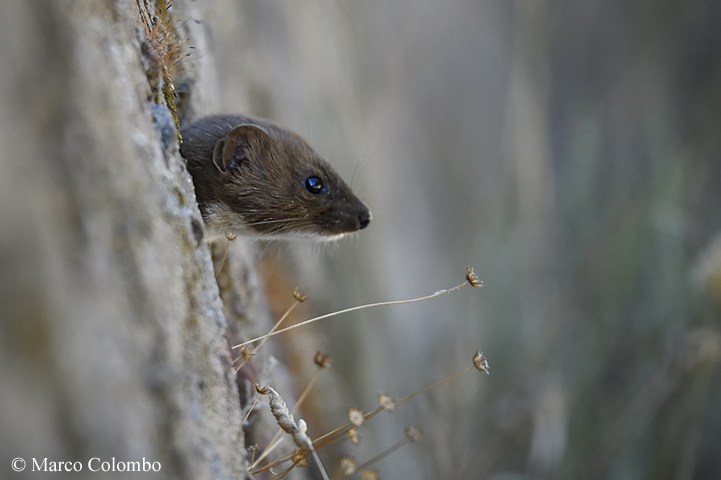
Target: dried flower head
point(480, 362)
point(299, 296)
point(322, 360)
point(231, 236)
point(370, 475)
point(355, 416)
point(262, 390)
point(353, 435)
point(246, 353)
point(300, 457)
point(348, 466)
point(161, 51)
point(387, 402)
point(473, 278)
point(413, 433)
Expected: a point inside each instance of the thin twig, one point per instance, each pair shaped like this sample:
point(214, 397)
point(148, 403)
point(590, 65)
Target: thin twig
point(352, 309)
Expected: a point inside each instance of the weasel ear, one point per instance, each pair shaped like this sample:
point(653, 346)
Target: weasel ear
point(230, 152)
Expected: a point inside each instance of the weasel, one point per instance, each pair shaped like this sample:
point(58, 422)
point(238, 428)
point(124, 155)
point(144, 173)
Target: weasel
point(254, 178)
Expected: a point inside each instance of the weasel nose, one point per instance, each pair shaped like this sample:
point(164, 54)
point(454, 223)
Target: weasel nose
point(364, 218)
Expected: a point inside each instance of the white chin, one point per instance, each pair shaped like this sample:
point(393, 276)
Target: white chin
point(313, 237)
point(330, 238)
point(289, 236)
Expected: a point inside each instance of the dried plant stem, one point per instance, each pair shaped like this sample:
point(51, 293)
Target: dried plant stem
point(319, 463)
point(306, 390)
point(283, 474)
point(222, 260)
point(333, 435)
point(275, 327)
point(247, 415)
point(285, 418)
point(271, 443)
point(383, 454)
point(330, 436)
point(272, 464)
point(286, 421)
point(428, 388)
point(274, 442)
point(252, 456)
point(352, 309)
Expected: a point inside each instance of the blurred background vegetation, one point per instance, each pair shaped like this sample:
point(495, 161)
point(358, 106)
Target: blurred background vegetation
point(571, 153)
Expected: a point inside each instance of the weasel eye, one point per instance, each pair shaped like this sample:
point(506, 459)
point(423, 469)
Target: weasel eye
point(314, 185)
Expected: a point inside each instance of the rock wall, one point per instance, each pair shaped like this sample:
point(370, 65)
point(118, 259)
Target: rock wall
point(112, 340)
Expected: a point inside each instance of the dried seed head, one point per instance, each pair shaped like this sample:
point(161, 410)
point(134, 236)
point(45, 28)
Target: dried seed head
point(473, 278)
point(370, 475)
point(322, 360)
point(353, 435)
point(253, 448)
point(300, 457)
point(355, 416)
point(348, 466)
point(413, 433)
point(387, 403)
point(480, 362)
point(246, 353)
point(262, 390)
point(299, 296)
point(231, 236)
point(286, 421)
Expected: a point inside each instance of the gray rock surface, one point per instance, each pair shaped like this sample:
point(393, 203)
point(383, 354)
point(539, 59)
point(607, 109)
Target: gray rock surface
point(112, 339)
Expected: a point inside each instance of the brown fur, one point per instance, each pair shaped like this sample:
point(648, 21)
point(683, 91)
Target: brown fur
point(250, 178)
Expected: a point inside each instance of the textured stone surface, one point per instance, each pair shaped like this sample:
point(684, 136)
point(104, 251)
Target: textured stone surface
point(112, 335)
